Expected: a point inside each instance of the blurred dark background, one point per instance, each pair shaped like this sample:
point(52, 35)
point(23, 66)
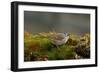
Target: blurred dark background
point(36, 22)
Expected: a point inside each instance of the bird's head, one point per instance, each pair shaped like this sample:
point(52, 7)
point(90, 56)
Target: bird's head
point(66, 34)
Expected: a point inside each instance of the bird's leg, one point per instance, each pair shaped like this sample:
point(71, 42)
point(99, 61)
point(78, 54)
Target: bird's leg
point(58, 47)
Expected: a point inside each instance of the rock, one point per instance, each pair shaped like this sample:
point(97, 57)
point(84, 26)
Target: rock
point(85, 52)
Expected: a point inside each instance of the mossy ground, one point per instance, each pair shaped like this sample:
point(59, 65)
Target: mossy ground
point(40, 48)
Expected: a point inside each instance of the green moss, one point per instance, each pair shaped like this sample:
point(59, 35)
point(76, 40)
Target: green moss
point(39, 46)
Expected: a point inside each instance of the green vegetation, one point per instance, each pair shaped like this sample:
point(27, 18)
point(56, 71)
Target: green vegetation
point(40, 48)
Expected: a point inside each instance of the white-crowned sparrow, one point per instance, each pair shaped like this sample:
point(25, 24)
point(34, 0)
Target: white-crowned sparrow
point(59, 38)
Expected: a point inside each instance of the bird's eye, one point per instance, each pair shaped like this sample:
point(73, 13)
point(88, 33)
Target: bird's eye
point(65, 33)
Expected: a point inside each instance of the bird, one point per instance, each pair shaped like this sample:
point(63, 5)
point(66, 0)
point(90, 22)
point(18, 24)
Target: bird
point(59, 38)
